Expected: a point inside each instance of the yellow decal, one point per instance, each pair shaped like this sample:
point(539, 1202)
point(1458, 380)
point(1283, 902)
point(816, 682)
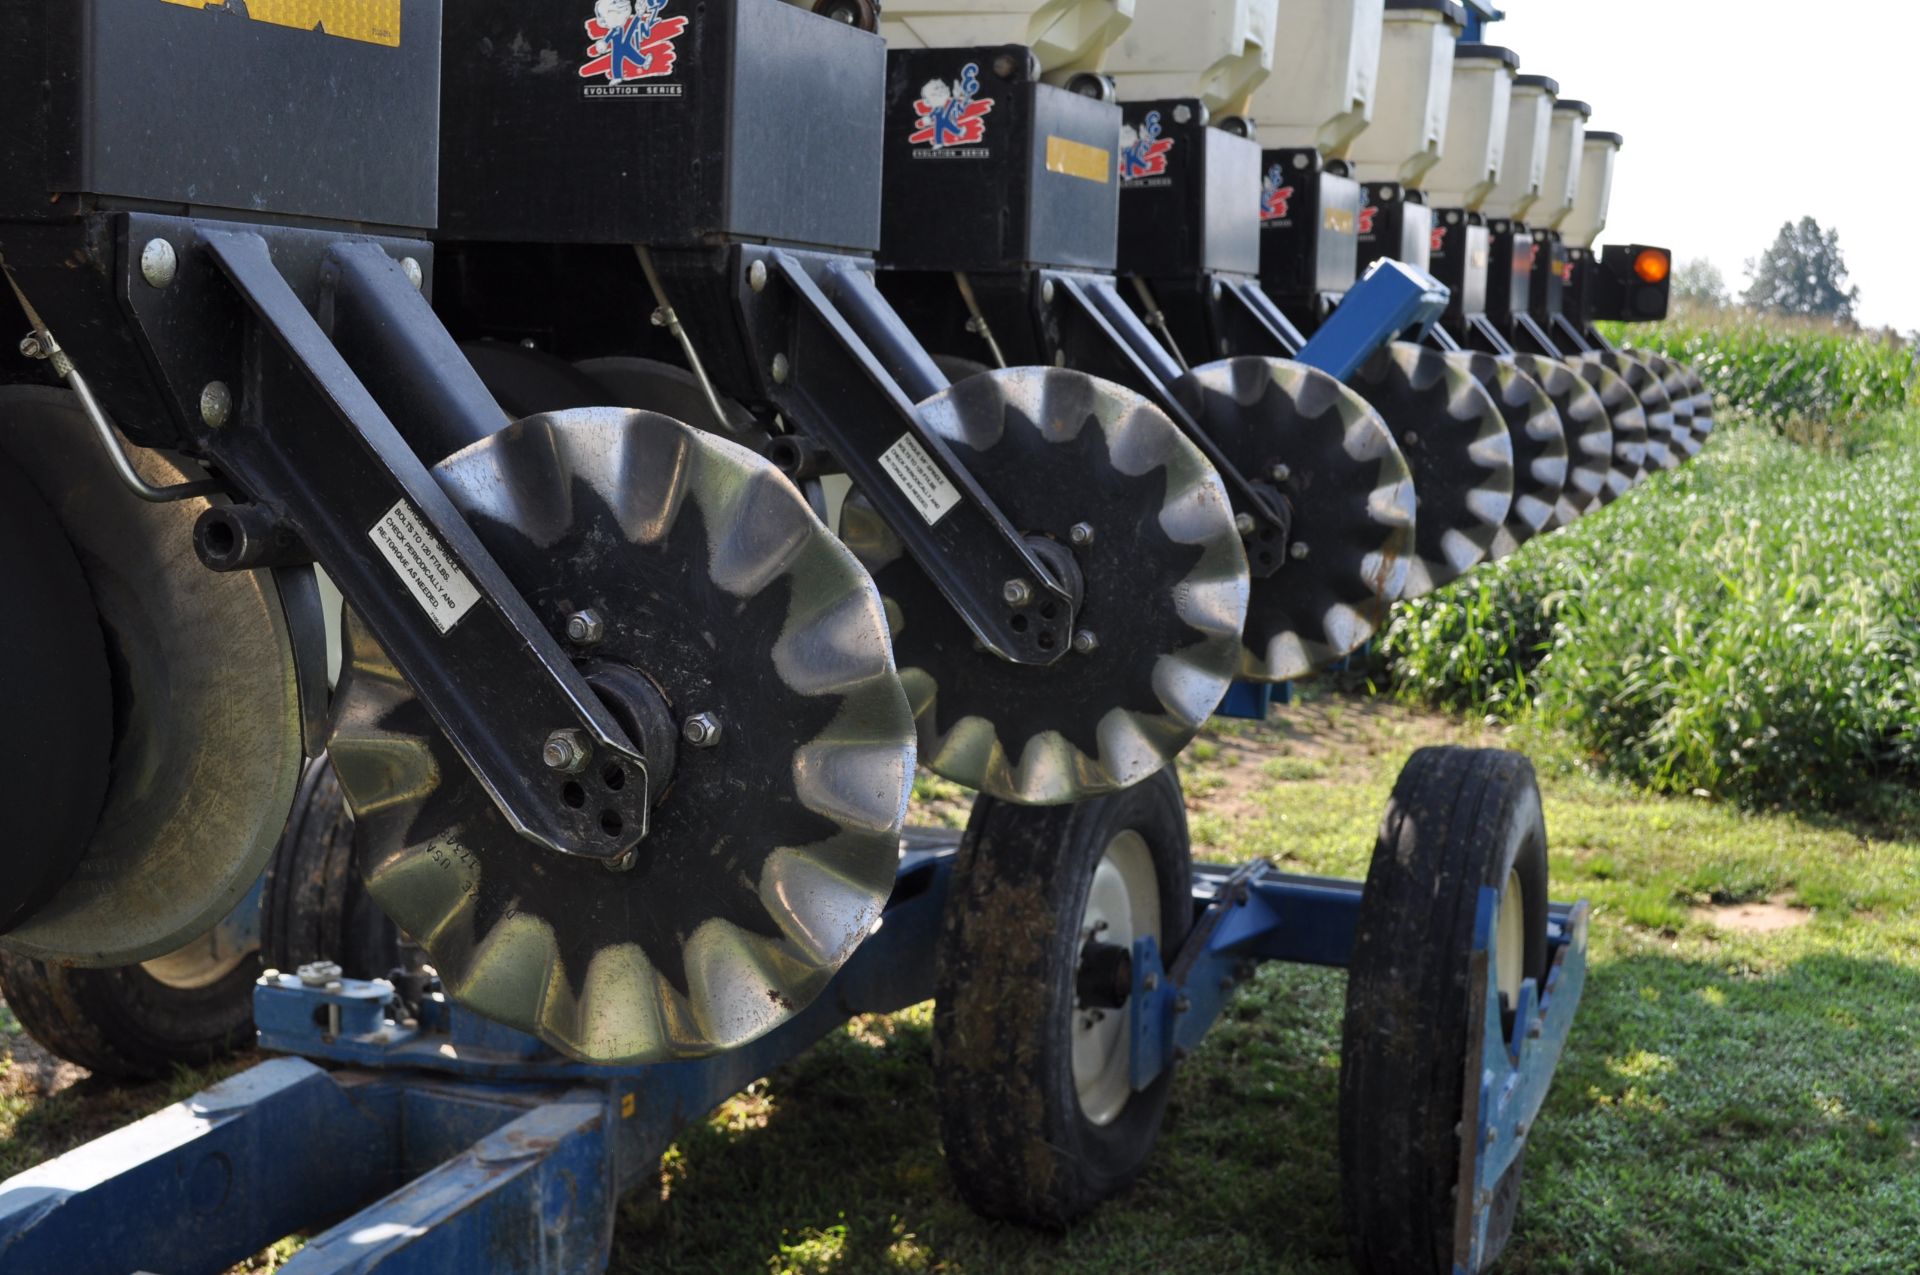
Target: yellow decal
point(1077, 159)
point(626, 1106)
point(1338, 220)
point(367, 21)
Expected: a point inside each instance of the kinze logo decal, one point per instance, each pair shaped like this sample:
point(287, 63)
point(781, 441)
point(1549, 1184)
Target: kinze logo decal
point(1367, 215)
point(949, 120)
point(1143, 152)
point(631, 42)
point(362, 21)
point(1274, 195)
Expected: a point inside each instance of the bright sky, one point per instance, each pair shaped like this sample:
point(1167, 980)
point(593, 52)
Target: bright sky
point(1741, 115)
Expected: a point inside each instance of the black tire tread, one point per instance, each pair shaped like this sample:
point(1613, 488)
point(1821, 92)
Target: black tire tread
point(1406, 1024)
point(1016, 1143)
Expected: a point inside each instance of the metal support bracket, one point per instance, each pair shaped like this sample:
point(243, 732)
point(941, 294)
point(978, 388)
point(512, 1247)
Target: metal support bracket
point(842, 368)
point(278, 408)
point(1097, 332)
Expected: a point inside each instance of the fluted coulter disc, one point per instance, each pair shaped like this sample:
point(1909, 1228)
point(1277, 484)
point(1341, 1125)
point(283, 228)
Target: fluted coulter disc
point(746, 652)
point(1102, 484)
point(1539, 445)
point(1455, 441)
point(1665, 449)
point(1627, 422)
point(1318, 444)
point(1583, 420)
point(1679, 386)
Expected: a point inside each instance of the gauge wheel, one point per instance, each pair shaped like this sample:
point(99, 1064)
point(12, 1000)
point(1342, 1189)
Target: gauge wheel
point(1460, 821)
point(138, 1022)
point(1030, 1046)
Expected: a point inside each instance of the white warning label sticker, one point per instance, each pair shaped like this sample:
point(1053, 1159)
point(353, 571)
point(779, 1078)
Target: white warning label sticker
point(416, 555)
point(914, 473)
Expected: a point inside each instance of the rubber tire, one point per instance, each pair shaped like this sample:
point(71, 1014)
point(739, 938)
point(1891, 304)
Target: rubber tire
point(124, 1022)
point(314, 906)
point(1016, 1141)
point(56, 701)
point(1458, 819)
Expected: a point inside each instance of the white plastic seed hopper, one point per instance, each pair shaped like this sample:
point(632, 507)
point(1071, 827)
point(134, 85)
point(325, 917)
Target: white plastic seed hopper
point(1588, 217)
point(1524, 167)
point(1068, 36)
point(1564, 162)
point(1414, 90)
point(1215, 50)
point(1326, 65)
point(1470, 155)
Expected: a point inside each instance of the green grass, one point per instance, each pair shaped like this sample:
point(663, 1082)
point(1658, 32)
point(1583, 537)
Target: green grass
point(1747, 626)
point(1729, 1101)
point(1804, 376)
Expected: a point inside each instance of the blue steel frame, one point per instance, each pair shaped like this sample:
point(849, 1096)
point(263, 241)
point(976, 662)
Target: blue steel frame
point(465, 1146)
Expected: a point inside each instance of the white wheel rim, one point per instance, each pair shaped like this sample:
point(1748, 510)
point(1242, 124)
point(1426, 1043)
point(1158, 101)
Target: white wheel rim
point(1510, 941)
point(201, 963)
point(1123, 904)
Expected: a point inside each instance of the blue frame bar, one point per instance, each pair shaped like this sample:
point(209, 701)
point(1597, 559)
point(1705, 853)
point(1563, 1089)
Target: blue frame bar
point(481, 1150)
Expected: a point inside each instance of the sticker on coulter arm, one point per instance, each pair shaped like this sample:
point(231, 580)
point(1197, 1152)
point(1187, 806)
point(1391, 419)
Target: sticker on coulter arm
point(631, 50)
point(1143, 153)
point(416, 555)
point(949, 120)
point(1276, 196)
point(914, 473)
point(363, 21)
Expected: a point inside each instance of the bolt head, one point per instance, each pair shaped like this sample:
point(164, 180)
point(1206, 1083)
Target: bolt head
point(1213, 291)
point(410, 266)
point(780, 368)
point(1150, 982)
point(1046, 292)
point(1016, 593)
point(1297, 550)
point(31, 348)
point(1085, 642)
point(1081, 534)
point(216, 404)
point(1299, 161)
point(624, 861)
point(1243, 523)
point(566, 751)
point(319, 973)
point(1182, 114)
point(1060, 358)
point(757, 273)
point(158, 263)
point(659, 316)
point(1410, 439)
point(702, 730)
point(1281, 473)
point(585, 628)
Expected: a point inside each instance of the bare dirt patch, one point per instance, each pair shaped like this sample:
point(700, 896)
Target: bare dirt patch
point(1767, 917)
point(1316, 738)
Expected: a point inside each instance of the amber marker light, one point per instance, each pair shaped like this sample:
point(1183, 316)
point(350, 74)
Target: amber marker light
point(1651, 265)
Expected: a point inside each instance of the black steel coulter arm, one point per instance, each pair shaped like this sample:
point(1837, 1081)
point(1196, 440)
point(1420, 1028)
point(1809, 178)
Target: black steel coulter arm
point(1101, 335)
point(849, 374)
point(307, 439)
point(1529, 335)
point(1225, 315)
